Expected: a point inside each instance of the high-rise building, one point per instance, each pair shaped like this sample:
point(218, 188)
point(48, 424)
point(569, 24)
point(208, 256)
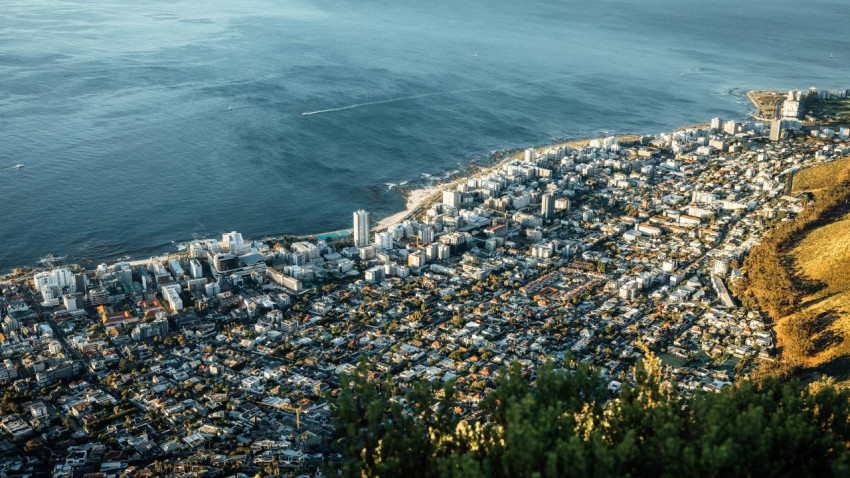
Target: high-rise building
point(716, 124)
point(562, 204)
point(452, 198)
point(792, 106)
point(53, 283)
point(426, 235)
point(232, 242)
point(416, 259)
point(547, 205)
point(384, 240)
point(361, 228)
point(171, 294)
point(776, 130)
point(195, 269)
point(60, 277)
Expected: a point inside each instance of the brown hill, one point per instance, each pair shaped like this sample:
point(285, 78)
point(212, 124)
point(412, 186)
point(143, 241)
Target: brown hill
point(817, 178)
point(822, 256)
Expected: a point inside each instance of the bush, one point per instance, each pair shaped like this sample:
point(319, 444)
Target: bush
point(563, 424)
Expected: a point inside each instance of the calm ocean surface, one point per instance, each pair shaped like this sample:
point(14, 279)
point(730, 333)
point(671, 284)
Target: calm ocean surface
point(143, 123)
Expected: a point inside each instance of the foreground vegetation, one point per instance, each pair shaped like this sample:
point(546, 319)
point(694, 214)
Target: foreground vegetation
point(562, 423)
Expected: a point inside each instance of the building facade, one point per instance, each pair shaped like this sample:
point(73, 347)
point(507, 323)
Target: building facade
point(361, 228)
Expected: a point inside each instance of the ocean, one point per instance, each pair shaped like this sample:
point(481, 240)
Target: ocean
point(143, 123)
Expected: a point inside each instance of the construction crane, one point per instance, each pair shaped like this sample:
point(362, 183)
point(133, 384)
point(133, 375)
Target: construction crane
point(278, 403)
point(503, 213)
point(297, 411)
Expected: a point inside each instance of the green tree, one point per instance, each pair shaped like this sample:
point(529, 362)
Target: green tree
point(561, 422)
point(386, 435)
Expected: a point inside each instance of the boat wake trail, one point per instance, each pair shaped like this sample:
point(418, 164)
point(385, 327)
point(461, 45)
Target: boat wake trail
point(425, 95)
point(380, 102)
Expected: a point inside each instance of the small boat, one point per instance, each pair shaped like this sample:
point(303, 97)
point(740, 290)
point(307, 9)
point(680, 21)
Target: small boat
point(18, 166)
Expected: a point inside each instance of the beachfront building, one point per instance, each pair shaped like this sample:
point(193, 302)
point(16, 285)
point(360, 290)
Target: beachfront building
point(792, 106)
point(452, 198)
point(384, 240)
point(716, 124)
point(361, 228)
point(51, 284)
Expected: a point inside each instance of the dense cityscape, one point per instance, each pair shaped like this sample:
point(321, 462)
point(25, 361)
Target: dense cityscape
point(221, 357)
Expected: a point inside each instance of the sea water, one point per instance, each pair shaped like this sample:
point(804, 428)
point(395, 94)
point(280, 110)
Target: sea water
point(143, 123)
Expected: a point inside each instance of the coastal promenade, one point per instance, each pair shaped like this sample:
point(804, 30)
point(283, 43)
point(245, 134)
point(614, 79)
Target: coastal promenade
point(419, 199)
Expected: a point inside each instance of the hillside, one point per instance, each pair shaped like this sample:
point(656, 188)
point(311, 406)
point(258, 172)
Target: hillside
point(815, 179)
point(822, 257)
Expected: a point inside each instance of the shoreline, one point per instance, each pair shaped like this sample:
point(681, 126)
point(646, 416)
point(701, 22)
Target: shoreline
point(415, 199)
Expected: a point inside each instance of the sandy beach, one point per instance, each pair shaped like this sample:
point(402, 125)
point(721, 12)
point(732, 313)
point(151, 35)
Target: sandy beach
point(415, 199)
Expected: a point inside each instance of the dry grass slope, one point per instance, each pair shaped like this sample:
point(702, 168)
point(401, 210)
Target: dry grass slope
point(824, 255)
point(819, 177)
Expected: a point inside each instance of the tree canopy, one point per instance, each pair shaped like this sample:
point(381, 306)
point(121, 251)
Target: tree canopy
point(562, 422)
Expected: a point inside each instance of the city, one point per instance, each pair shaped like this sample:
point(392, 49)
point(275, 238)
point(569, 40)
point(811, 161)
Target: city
point(221, 357)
